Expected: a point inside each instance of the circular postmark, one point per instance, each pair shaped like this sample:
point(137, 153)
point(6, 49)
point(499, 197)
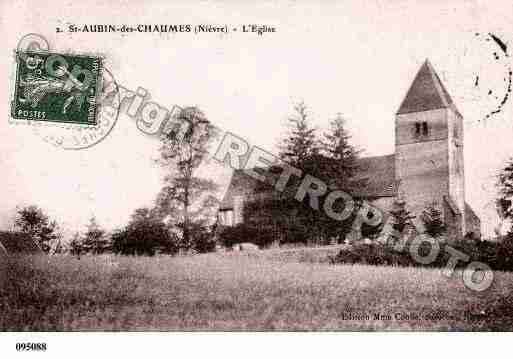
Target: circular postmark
point(75, 136)
point(481, 75)
point(497, 84)
point(33, 42)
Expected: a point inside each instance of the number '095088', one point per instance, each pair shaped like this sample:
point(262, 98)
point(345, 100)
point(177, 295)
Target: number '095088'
point(30, 347)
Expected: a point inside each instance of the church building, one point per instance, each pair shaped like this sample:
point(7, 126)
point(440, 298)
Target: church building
point(427, 166)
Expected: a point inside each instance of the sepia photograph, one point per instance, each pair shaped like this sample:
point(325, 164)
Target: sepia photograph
point(229, 167)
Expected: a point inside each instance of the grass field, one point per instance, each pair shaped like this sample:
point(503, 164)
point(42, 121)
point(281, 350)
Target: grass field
point(269, 290)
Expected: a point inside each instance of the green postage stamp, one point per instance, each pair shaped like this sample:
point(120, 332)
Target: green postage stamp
point(57, 87)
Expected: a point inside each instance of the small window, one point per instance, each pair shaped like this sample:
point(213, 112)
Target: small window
point(425, 129)
point(417, 129)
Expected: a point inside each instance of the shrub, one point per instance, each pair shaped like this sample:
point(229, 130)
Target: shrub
point(34, 222)
point(498, 255)
point(75, 245)
point(433, 221)
point(401, 216)
point(244, 233)
point(372, 254)
point(203, 240)
point(501, 254)
point(143, 239)
point(95, 240)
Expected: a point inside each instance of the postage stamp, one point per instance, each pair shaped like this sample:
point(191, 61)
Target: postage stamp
point(57, 87)
point(72, 136)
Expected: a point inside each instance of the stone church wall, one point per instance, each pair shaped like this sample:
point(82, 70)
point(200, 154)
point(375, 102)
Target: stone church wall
point(423, 174)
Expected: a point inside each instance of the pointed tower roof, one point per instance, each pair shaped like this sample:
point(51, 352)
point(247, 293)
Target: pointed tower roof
point(426, 92)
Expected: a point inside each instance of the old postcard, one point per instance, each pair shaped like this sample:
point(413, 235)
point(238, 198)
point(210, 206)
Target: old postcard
point(178, 166)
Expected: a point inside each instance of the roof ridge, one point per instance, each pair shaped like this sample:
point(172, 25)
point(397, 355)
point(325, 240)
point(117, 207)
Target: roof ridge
point(438, 84)
point(426, 92)
point(444, 94)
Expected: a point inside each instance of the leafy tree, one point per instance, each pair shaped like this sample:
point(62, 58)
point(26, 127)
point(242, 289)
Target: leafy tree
point(94, 241)
point(34, 222)
point(146, 234)
point(272, 220)
point(433, 222)
point(151, 233)
point(204, 238)
point(187, 201)
point(244, 233)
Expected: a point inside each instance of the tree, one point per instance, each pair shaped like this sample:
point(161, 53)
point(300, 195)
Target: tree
point(339, 157)
point(331, 159)
point(34, 222)
point(58, 248)
point(432, 219)
point(273, 220)
point(299, 148)
point(204, 237)
point(337, 165)
point(186, 201)
point(75, 245)
point(299, 145)
point(144, 235)
point(94, 241)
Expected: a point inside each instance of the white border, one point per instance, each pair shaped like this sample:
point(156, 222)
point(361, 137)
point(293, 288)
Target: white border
point(259, 345)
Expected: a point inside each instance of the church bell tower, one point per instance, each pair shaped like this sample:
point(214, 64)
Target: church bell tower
point(429, 151)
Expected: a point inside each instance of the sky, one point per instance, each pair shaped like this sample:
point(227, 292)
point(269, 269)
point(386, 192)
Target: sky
point(353, 58)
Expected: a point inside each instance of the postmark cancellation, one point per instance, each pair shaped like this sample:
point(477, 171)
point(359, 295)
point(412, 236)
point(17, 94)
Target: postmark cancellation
point(57, 87)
